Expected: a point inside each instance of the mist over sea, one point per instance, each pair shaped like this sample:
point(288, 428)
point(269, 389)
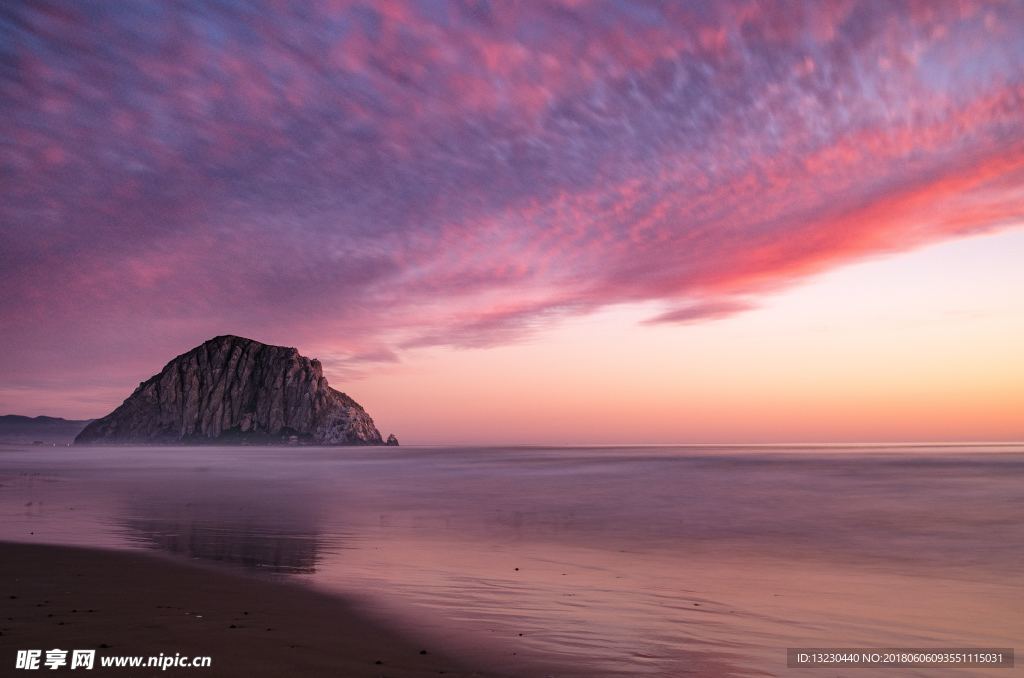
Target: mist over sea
point(597, 561)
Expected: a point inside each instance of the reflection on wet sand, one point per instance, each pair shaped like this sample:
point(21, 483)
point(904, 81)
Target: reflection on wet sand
point(256, 524)
point(239, 542)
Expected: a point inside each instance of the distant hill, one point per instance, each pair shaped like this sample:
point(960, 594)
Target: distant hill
point(15, 428)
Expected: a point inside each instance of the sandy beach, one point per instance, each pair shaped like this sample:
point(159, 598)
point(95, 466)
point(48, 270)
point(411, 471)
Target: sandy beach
point(123, 603)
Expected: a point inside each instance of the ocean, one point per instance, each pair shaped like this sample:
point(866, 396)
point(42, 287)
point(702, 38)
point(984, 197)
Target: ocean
point(586, 561)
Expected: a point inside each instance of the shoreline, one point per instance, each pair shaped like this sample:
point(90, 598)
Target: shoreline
point(125, 603)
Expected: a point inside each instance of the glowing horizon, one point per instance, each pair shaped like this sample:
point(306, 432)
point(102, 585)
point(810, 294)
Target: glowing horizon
point(708, 211)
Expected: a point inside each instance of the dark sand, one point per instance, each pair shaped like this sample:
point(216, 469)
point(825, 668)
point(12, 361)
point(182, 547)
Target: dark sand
point(141, 604)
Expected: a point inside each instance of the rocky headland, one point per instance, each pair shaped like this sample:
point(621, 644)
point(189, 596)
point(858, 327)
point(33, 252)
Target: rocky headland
point(232, 390)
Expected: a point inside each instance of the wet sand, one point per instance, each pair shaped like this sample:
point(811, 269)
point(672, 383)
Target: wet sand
point(123, 603)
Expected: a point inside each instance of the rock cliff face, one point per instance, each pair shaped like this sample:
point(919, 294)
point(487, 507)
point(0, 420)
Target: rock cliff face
point(235, 390)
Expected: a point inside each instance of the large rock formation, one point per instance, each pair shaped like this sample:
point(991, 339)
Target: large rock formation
point(235, 390)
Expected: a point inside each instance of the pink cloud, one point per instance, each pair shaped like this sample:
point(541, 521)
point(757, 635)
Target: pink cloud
point(704, 310)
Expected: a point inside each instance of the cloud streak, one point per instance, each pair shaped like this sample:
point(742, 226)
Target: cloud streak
point(368, 178)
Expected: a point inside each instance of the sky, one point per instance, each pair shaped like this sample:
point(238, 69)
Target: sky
point(593, 222)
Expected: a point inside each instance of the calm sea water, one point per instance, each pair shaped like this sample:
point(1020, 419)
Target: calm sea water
point(658, 561)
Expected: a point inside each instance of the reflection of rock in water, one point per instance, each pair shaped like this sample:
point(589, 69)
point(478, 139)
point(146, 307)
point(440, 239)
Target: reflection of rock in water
point(247, 524)
point(241, 543)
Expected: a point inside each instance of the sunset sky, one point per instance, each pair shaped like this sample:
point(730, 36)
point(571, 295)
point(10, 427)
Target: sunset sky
point(516, 222)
